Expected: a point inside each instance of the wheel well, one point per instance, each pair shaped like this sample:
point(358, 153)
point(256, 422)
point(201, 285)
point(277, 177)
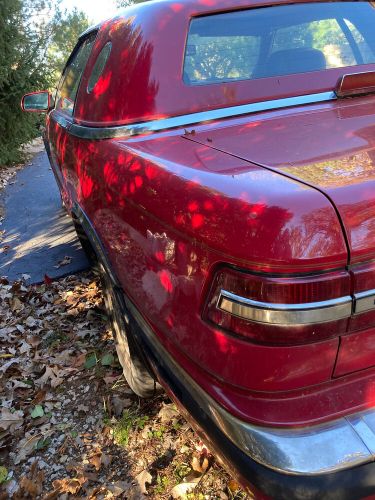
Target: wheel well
point(85, 243)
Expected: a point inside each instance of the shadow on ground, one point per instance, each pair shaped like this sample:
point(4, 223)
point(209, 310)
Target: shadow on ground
point(37, 232)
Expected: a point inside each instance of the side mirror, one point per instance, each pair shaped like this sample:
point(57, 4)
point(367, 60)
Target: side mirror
point(37, 102)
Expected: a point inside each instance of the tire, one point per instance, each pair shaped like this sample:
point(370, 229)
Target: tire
point(86, 245)
point(136, 369)
point(134, 364)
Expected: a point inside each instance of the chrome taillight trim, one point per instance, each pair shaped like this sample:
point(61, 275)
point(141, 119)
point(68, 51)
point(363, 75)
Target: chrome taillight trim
point(148, 127)
point(285, 314)
point(364, 301)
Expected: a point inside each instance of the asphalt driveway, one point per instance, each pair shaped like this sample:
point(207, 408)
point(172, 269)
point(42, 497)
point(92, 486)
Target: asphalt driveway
point(39, 238)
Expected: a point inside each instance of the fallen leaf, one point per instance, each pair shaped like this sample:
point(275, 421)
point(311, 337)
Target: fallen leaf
point(96, 461)
point(16, 304)
point(91, 361)
point(10, 420)
point(30, 322)
point(119, 404)
point(32, 486)
point(3, 474)
point(118, 488)
point(47, 280)
point(79, 360)
point(26, 446)
point(168, 413)
point(112, 379)
point(182, 489)
point(37, 412)
point(34, 341)
point(233, 486)
point(7, 365)
point(68, 485)
point(200, 465)
point(11, 488)
point(106, 459)
point(107, 359)
point(25, 347)
point(18, 384)
point(142, 478)
point(20, 328)
point(49, 377)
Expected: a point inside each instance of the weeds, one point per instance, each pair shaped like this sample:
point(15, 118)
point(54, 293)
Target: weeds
point(130, 421)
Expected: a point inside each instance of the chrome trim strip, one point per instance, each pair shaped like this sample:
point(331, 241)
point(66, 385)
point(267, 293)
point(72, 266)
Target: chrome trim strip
point(364, 301)
point(62, 120)
point(310, 451)
point(285, 314)
point(100, 133)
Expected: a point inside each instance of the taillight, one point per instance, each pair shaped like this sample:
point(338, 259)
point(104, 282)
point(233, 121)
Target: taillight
point(280, 310)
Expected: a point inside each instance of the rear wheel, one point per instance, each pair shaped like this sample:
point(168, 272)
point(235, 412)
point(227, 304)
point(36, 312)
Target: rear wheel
point(134, 364)
point(135, 367)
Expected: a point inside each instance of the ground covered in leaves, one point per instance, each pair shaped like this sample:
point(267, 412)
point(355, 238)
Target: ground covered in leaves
point(69, 424)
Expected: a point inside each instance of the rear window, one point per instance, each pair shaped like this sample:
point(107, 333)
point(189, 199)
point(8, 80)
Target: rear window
point(279, 40)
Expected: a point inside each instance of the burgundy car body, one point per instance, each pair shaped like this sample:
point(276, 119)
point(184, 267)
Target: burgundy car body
point(211, 204)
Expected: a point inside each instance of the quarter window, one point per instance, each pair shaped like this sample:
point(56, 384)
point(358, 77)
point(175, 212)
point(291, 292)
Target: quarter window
point(68, 88)
point(99, 66)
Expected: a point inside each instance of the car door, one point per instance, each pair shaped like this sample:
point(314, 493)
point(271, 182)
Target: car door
point(61, 117)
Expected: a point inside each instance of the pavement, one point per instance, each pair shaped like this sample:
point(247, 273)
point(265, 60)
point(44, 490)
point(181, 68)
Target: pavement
point(38, 234)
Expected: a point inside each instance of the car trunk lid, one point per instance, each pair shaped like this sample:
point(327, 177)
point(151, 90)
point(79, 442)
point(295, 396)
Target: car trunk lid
point(330, 147)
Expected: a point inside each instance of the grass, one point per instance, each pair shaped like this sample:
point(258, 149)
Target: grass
point(130, 421)
point(162, 483)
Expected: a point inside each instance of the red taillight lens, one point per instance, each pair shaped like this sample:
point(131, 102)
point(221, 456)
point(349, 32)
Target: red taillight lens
point(280, 310)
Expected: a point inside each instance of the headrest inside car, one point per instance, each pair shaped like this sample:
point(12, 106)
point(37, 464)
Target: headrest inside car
point(287, 62)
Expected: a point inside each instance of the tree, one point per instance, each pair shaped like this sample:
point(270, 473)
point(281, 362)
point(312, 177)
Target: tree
point(66, 28)
point(22, 69)
point(35, 41)
point(125, 3)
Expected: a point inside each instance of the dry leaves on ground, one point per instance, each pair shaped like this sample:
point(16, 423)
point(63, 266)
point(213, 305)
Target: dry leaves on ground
point(69, 424)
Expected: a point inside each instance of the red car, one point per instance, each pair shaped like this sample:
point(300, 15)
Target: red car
point(218, 161)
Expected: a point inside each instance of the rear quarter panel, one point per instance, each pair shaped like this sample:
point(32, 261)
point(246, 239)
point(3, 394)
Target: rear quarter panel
point(169, 212)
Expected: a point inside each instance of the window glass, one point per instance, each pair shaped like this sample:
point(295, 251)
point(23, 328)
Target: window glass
point(99, 66)
point(221, 58)
point(325, 36)
point(279, 40)
point(364, 48)
point(68, 88)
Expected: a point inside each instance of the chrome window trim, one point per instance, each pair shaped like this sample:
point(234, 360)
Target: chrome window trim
point(285, 314)
point(63, 119)
point(133, 129)
point(94, 27)
point(309, 450)
point(364, 301)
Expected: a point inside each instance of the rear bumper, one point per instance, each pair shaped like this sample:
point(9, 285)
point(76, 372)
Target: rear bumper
point(333, 461)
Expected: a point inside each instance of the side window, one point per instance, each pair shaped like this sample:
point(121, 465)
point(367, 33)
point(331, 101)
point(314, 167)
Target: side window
point(99, 66)
point(67, 91)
